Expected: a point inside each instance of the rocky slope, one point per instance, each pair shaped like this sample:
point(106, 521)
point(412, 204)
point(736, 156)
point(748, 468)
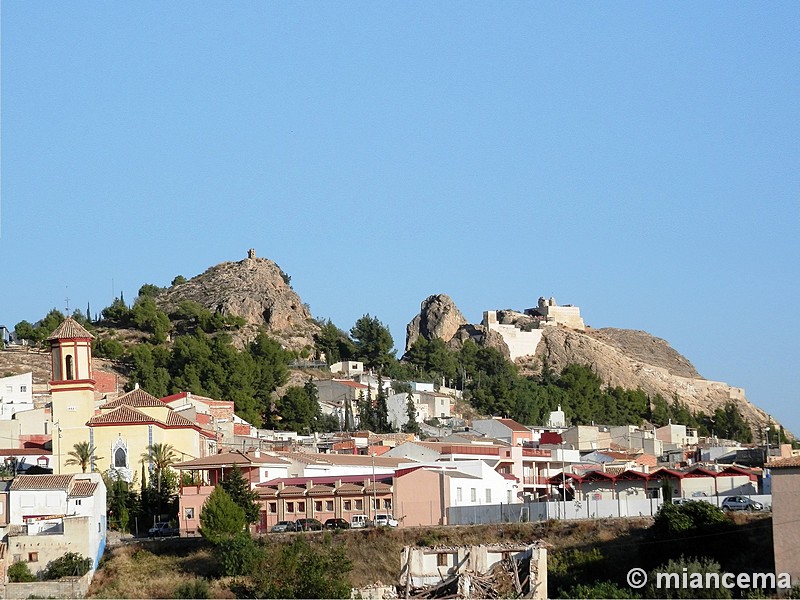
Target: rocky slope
point(621, 357)
point(255, 289)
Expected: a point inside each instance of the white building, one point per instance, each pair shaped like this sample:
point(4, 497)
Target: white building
point(16, 394)
point(50, 515)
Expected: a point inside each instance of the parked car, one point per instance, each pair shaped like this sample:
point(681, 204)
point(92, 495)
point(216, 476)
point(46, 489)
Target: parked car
point(741, 503)
point(337, 524)
point(308, 525)
point(283, 526)
point(359, 521)
point(162, 529)
point(385, 520)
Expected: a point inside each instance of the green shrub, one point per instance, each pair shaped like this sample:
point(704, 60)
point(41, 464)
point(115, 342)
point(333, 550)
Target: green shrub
point(71, 563)
point(194, 588)
point(19, 572)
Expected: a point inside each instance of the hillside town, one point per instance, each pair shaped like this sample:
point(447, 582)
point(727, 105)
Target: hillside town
point(66, 443)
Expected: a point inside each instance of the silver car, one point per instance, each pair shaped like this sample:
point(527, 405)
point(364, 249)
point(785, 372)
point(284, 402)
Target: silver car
point(741, 503)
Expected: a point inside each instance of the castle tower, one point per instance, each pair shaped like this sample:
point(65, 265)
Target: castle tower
point(72, 389)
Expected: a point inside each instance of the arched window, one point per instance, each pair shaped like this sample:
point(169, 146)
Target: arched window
point(120, 458)
point(70, 367)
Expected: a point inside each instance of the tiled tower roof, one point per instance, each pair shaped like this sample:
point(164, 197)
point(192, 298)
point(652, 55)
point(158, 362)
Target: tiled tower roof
point(70, 329)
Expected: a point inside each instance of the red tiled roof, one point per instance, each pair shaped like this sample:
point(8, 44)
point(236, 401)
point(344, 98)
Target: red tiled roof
point(292, 490)
point(41, 482)
point(513, 425)
point(175, 419)
point(70, 329)
point(83, 488)
point(24, 452)
point(124, 414)
point(321, 490)
point(192, 396)
point(784, 463)
point(228, 459)
point(350, 488)
point(136, 398)
point(352, 384)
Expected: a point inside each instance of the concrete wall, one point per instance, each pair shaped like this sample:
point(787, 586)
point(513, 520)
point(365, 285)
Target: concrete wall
point(39, 550)
point(68, 587)
point(520, 343)
point(418, 498)
point(786, 520)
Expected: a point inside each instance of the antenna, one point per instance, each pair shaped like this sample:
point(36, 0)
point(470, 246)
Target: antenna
point(67, 301)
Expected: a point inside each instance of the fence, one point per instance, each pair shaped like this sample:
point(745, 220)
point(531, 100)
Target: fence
point(571, 509)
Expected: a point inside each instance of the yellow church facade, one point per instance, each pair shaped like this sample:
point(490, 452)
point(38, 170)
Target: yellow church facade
point(120, 431)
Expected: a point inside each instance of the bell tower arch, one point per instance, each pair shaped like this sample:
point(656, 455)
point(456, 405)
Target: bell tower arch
point(72, 389)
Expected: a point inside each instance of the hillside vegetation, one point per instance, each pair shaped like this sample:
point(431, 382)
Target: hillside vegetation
point(581, 553)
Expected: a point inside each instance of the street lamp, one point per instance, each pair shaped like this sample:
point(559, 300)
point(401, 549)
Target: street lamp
point(374, 491)
point(58, 428)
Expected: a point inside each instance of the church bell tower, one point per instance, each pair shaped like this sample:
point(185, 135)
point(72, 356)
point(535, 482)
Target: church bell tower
point(72, 388)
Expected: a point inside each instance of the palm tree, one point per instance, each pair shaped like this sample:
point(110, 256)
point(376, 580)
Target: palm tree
point(162, 456)
point(82, 455)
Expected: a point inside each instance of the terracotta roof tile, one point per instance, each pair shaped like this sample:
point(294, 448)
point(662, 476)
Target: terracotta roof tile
point(83, 488)
point(123, 414)
point(174, 418)
point(784, 463)
point(137, 398)
point(70, 329)
point(41, 482)
point(237, 457)
point(292, 490)
point(350, 488)
point(321, 490)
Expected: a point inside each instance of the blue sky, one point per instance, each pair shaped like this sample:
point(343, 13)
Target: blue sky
point(640, 161)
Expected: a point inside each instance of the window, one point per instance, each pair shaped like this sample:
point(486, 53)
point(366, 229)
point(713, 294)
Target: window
point(272, 507)
point(347, 505)
point(441, 559)
point(387, 504)
point(78, 502)
point(33, 557)
point(290, 507)
point(359, 505)
point(301, 507)
point(23, 388)
point(318, 505)
point(70, 367)
point(120, 458)
point(488, 496)
point(473, 495)
point(189, 512)
point(376, 504)
point(458, 494)
point(329, 505)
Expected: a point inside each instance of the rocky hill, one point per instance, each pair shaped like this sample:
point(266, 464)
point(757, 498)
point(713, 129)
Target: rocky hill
point(255, 289)
point(621, 357)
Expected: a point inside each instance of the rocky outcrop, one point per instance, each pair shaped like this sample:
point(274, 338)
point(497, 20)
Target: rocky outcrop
point(664, 371)
point(438, 317)
point(621, 357)
point(255, 289)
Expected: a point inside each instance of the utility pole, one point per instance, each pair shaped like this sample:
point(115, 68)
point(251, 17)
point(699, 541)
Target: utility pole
point(374, 491)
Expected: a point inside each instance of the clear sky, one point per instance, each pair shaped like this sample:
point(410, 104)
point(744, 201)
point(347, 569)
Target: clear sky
point(641, 161)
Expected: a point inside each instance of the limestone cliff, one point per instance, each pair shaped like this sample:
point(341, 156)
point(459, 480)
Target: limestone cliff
point(438, 317)
point(255, 289)
point(621, 357)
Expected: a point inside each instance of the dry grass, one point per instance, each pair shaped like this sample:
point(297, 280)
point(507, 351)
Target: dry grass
point(157, 569)
point(154, 570)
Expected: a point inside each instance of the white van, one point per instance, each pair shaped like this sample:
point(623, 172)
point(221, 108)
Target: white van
point(359, 522)
point(384, 520)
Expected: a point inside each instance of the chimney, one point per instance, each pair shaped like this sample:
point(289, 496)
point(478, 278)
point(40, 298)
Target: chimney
point(309, 484)
point(136, 385)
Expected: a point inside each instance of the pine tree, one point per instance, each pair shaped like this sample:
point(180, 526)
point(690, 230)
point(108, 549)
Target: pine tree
point(221, 518)
point(242, 494)
point(411, 426)
point(381, 409)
